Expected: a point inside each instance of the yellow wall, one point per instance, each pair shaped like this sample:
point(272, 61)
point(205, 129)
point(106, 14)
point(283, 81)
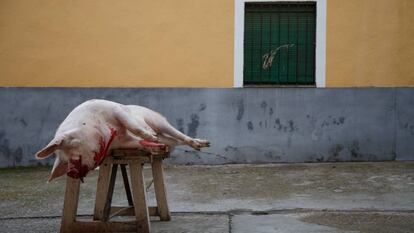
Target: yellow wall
point(370, 43)
point(185, 43)
point(116, 43)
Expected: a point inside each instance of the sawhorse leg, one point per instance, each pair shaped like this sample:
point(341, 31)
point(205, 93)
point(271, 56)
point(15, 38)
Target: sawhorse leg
point(101, 191)
point(70, 205)
point(126, 185)
point(139, 197)
point(160, 192)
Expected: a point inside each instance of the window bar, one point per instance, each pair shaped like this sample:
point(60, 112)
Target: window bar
point(278, 54)
point(270, 47)
point(314, 47)
point(287, 66)
point(251, 49)
point(297, 48)
point(261, 47)
point(306, 48)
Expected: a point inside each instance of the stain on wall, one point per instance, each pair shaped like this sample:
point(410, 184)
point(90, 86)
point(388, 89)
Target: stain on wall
point(14, 155)
point(240, 109)
point(250, 126)
point(193, 125)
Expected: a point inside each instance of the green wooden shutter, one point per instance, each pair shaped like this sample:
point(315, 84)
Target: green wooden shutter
point(279, 43)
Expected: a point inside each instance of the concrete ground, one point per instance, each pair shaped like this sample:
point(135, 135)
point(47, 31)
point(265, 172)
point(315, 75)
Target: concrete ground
point(330, 197)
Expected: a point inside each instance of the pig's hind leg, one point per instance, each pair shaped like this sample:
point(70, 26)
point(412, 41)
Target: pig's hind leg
point(162, 126)
point(132, 142)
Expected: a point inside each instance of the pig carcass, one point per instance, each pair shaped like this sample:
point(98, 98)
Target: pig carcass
point(93, 128)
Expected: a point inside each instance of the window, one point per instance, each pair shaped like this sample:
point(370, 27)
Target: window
point(279, 43)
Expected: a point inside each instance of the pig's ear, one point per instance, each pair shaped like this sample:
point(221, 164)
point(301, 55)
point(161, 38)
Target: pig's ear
point(59, 169)
point(50, 148)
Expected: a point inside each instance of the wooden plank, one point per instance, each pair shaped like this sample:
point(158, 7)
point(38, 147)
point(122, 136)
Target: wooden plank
point(110, 193)
point(129, 211)
point(160, 191)
point(136, 153)
point(129, 160)
point(126, 184)
point(70, 205)
point(102, 190)
point(98, 226)
point(129, 152)
point(139, 197)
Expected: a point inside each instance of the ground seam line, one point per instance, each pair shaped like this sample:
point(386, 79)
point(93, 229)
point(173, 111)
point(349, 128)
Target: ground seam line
point(241, 212)
point(230, 216)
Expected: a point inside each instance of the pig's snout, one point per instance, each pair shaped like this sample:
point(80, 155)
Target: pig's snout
point(76, 169)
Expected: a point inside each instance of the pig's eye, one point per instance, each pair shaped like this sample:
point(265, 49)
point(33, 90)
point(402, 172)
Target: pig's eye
point(75, 143)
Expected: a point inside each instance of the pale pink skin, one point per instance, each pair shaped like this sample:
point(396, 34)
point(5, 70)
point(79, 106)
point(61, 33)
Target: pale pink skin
point(79, 135)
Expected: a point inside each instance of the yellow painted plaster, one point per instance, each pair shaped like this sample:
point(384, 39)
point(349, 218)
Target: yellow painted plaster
point(370, 43)
point(128, 43)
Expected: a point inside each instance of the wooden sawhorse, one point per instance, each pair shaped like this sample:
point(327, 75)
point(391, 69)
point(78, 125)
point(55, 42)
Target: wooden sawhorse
point(137, 200)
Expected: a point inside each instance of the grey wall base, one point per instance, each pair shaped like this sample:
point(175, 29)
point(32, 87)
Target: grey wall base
point(250, 125)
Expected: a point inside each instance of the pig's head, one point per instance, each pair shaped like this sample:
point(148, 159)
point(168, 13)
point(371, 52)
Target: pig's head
point(78, 151)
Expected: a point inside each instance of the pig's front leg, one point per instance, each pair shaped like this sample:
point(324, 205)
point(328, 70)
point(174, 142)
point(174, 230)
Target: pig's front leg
point(132, 142)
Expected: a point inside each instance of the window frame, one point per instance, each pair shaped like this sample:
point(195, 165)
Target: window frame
point(320, 53)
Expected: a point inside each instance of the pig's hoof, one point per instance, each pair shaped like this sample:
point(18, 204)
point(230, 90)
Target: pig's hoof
point(199, 143)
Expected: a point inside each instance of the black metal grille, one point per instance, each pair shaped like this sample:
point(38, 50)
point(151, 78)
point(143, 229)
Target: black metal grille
point(279, 43)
